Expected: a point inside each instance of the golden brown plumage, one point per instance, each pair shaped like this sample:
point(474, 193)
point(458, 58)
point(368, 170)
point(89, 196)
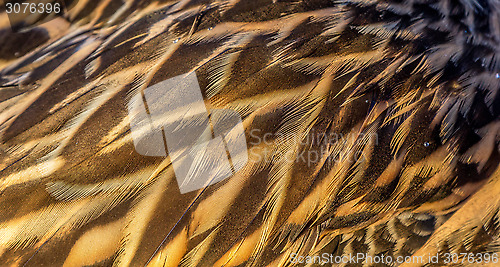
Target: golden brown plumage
point(381, 121)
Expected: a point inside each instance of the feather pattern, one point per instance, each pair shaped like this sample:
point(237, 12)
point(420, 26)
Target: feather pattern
point(372, 127)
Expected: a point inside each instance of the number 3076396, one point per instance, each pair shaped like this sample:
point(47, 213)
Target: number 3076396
point(32, 8)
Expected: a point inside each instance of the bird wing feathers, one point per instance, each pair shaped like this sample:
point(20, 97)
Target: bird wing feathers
point(372, 127)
